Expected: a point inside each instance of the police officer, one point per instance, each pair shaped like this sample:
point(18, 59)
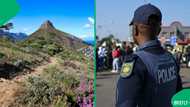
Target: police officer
point(151, 76)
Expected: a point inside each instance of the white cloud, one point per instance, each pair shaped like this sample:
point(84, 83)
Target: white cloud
point(90, 23)
point(87, 35)
point(90, 33)
point(83, 36)
point(87, 26)
point(91, 20)
point(25, 29)
point(89, 29)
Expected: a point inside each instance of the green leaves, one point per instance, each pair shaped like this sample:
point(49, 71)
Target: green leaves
point(8, 9)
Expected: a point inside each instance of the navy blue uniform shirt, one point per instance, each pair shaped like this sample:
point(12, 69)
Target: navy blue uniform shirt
point(134, 89)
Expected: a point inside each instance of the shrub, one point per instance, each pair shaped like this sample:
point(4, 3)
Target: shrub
point(38, 92)
point(54, 87)
point(53, 49)
point(2, 55)
point(36, 45)
point(67, 54)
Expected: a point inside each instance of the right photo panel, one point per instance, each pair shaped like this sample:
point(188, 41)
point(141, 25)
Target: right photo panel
point(142, 53)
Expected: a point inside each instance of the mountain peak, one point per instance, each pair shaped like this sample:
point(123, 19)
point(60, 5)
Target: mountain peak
point(47, 32)
point(47, 24)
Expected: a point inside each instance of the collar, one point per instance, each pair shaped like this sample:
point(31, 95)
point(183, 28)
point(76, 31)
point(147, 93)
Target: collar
point(151, 43)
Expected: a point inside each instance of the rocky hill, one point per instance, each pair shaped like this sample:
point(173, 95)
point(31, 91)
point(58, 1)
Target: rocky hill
point(48, 34)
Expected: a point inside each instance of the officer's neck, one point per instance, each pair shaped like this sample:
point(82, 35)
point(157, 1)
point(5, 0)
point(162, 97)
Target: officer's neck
point(142, 41)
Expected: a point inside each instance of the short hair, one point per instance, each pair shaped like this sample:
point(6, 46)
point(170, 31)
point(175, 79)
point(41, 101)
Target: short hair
point(152, 29)
point(154, 20)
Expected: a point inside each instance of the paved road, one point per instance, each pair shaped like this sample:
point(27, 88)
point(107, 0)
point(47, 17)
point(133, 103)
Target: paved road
point(106, 85)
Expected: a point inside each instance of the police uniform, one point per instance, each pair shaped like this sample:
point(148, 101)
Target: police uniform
point(149, 78)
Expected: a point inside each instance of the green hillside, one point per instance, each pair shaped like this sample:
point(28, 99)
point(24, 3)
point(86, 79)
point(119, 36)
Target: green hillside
point(45, 70)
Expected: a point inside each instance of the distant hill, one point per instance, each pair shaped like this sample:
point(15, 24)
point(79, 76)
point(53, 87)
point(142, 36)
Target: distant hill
point(90, 42)
point(13, 36)
point(48, 34)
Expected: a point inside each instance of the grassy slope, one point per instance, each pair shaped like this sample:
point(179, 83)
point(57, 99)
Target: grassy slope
point(63, 77)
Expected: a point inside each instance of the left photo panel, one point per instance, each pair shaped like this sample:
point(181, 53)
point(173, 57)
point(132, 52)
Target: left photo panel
point(47, 53)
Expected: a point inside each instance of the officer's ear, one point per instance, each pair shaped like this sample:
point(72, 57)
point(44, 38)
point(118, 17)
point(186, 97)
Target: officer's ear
point(135, 30)
point(159, 29)
point(154, 22)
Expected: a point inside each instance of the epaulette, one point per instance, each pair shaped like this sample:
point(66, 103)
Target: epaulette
point(130, 58)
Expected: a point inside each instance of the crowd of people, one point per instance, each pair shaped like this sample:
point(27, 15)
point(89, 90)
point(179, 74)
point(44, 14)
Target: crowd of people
point(182, 58)
point(112, 58)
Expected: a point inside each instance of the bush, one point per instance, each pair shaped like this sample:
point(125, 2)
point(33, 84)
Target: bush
point(53, 88)
point(53, 49)
point(2, 55)
point(38, 92)
point(67, 54)
point(60, 78)
point(36, 45)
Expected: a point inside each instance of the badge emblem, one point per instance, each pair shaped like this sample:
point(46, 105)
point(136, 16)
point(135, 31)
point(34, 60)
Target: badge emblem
point(127, 69)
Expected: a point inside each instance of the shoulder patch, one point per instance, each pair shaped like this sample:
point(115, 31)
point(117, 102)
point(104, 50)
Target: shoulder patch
point(127, 69)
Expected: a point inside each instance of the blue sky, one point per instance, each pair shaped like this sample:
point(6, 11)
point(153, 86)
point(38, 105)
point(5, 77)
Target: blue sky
point(113, 16)
point(73, 16)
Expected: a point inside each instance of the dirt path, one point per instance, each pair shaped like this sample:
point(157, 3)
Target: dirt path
point(9, 88)
point(36, 71)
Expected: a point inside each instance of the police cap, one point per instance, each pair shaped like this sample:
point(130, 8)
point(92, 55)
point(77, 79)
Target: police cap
point(143, 13)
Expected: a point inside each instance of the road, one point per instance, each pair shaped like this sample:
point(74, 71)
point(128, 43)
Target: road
point(106, 85)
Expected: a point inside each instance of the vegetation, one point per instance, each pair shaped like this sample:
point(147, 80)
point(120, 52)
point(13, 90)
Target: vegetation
point(67, 54)
point(42, 44)
point(15, 59)
point(54, 87)
point(2, 55)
